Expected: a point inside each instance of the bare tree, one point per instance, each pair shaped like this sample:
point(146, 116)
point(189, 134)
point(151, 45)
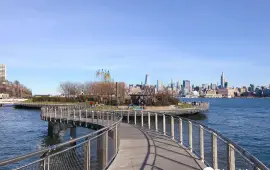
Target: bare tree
point(68, 89)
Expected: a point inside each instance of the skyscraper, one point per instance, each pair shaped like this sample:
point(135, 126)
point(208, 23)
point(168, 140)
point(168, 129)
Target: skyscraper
point(222, 81)
point(178, 85)
point(226, 85)
point(2, 72)
point(158, 85)
point(172, 84)
point(146, 80)
point(186, 85)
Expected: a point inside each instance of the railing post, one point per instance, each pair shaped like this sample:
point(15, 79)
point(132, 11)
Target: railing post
point(61, 117)
point(86, 116)
point(74, 112)
point(201, 143)
point(231, 157)
point(103, 117)
point(54, 114)
point(214, 151)
point(43, 164)
point(172, 127)
point(68, 115)
point(135, 118)
point(47, 113)
point(128, 117)
point(97, 116)
point(50, 116)
point(108, 118)
point(93, 116)
point(156, 122)
point(149, 121)
point(80, 116)
point(164, 124)
point(113, 116)
point(107, 148)
point(190, 135)
point(48, 163)
point(116, 138)
point(86, 155)
point(180, 131)
point(89, 154)
point(142, 118)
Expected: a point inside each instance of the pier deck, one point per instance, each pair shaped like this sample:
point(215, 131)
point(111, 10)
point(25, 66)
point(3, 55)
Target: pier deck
point(147, 149)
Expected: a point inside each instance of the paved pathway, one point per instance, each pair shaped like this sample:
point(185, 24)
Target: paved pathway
point(146, 149)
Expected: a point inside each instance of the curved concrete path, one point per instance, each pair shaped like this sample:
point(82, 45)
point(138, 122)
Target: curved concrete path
point(147, 149)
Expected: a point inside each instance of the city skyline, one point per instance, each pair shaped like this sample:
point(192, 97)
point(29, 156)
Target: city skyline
point(43, 46)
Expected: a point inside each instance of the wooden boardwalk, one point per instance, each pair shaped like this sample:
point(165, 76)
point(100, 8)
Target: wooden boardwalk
point(147, 149)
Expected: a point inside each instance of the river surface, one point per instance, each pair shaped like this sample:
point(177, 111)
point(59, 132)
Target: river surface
point(22, 131)
point(245, 121)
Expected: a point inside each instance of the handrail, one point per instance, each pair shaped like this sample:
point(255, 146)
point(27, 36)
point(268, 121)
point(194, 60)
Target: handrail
point(252, 158)
point(53, 113)
point(89, 137)
point(54, 147)
point(258, 164)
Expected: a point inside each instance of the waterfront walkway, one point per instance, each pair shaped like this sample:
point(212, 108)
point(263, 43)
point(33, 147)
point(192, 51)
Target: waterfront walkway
point(138, 144)
point(148, 149)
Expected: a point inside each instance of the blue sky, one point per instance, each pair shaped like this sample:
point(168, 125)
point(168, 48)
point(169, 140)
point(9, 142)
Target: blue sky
point(45, 42)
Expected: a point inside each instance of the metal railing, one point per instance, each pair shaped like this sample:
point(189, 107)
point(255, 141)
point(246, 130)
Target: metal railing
point(98, 149)
point(208, 145)
point(92, 151)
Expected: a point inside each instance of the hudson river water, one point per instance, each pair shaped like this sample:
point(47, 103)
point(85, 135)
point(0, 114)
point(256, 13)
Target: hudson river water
point(245, 121)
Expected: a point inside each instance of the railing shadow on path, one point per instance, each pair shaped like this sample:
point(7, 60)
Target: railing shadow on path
point(152, 138)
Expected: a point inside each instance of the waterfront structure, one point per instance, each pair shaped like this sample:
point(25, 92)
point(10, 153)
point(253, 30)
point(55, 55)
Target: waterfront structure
point(3, 73)
point(4, 96)
point(229, 92)
point(211, 94)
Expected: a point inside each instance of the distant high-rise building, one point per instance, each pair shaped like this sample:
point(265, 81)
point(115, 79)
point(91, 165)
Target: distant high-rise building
point(186, 84)
point(172, 85)
point(213, 86)
point(252, 88)
point(204, 86)
point(158, 85)
point(178, 85)
point(2, 72)
point(222, 81)
point(146, 80)
point(226, 85)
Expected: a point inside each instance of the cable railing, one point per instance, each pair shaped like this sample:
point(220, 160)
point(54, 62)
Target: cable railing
point(98, 149)
point(208, 145)
point(91, 151)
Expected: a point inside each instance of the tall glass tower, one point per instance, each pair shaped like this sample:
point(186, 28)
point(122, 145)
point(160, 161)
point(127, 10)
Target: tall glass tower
point(146, 80)
point(222, 81)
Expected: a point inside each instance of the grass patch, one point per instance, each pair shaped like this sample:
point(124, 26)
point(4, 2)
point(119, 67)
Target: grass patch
point(184, 105)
